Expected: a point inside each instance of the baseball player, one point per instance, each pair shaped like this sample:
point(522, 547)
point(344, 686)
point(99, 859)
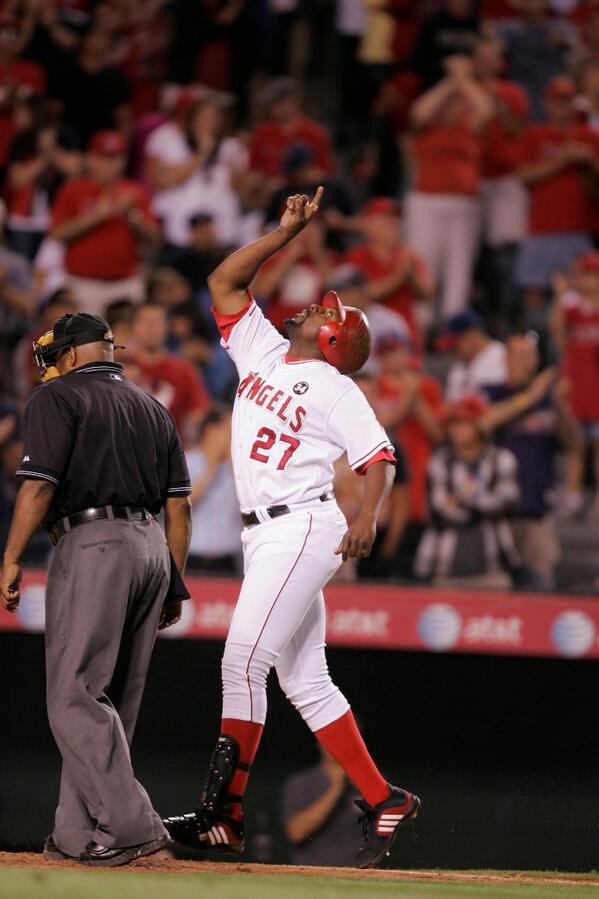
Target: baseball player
point(295, 413)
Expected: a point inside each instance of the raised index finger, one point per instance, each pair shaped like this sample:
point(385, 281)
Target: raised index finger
point(315, 201)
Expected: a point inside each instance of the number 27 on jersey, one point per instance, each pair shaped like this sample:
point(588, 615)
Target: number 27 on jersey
point(266, 439)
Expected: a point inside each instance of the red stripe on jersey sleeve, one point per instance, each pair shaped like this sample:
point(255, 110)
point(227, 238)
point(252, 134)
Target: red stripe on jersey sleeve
point(384, 455)
point(226, 323)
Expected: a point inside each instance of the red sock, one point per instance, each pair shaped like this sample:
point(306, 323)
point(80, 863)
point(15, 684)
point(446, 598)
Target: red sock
point(247, 734)
point(343, 741)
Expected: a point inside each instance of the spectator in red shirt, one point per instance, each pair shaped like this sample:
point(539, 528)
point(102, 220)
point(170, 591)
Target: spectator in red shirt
point(176, 383)
point(557, 158)
point(410, 408)
point(397, 276)
point(102, 218)
point(575, 327)
point(284, 124)
point(445, 154)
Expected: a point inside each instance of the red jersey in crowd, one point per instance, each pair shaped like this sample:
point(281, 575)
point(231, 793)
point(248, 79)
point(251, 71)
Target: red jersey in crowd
point(500, 149)
point(446, 159)
point(177, 384)
point(375, 268)
point(581, 356)
point(563, 202)
point(414, 441)
point(269, 141)
point(108, 251)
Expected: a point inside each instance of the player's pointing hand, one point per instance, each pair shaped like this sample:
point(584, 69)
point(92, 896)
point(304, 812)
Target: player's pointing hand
point(300, 211)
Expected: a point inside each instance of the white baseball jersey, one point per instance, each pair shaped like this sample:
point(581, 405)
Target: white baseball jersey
point(292, 418)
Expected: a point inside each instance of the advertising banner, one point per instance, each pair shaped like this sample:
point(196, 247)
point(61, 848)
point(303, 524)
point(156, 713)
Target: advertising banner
point(389, 617)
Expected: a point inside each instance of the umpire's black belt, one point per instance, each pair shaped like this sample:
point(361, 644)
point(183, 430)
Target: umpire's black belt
point(251, 518)
point(66, 524)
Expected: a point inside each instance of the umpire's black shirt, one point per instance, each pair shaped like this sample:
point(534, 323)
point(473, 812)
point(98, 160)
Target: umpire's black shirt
point(102, 441)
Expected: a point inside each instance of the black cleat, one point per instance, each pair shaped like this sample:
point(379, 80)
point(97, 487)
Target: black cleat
point(212, 826)
point(52, 853)
point(381, 824)
point(96, 856)
point(201, 830)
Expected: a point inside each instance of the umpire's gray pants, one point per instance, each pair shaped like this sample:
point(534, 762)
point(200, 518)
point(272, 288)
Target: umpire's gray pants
point(106, 585)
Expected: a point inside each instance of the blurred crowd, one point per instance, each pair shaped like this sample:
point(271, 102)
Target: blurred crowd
point(141, 141)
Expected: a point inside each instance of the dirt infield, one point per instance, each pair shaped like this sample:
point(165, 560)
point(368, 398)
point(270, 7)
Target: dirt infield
point(164, 863)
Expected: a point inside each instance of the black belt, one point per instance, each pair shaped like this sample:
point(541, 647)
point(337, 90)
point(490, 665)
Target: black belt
point(66, 524)
point(250, 518)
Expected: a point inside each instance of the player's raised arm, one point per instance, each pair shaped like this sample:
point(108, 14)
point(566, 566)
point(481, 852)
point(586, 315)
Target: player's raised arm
point(229, 282)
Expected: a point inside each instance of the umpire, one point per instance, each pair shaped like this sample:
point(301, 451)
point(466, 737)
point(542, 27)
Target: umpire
point(101, 459)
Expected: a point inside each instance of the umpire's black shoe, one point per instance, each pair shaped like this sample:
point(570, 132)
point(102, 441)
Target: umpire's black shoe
point(201, 830)
point(52, 853)
point(381, 824)
point(96, 856)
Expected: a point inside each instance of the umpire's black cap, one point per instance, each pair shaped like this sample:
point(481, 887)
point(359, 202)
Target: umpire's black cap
point(73, 329)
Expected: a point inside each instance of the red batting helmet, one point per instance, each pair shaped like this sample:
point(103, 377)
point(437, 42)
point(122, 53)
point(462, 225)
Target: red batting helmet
point(344, 343)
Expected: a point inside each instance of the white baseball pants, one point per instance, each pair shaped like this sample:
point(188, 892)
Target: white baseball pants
point(504, 210)
point(93, 294)
point(445, 230)
point(279, 618)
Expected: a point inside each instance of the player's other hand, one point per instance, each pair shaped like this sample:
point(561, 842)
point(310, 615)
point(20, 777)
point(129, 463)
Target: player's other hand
point(358, 539)
point(9, 586)
point(171, 613)
point(300, 211)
